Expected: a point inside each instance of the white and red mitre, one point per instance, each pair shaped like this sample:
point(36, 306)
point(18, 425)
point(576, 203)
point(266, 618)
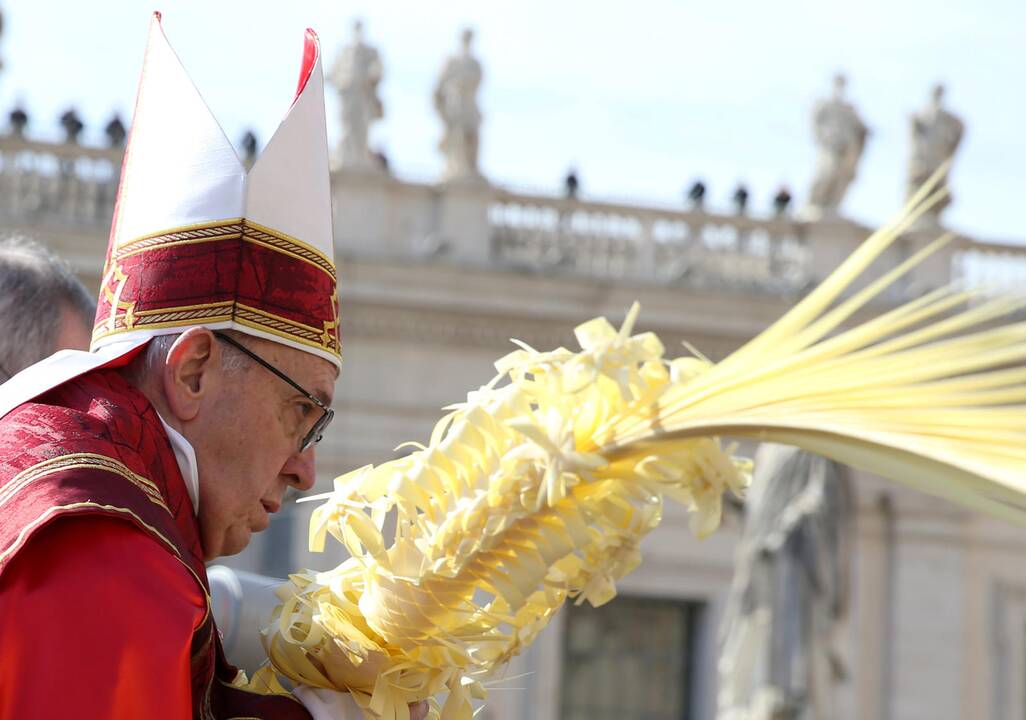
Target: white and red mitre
point(198, 240)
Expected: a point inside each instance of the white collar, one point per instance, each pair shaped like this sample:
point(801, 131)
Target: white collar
point(186, 457)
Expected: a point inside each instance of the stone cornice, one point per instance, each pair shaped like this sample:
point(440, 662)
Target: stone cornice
point(474, 307)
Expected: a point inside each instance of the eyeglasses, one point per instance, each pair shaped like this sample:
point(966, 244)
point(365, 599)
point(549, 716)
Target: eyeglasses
point(327, 414)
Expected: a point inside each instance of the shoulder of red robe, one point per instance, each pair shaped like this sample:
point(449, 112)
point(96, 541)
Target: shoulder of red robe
point(197, 240)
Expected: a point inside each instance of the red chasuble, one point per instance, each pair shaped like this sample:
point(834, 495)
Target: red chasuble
point(104, 601)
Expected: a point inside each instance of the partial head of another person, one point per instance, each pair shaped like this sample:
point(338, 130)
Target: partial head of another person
point(43, 306)
point(252, 410)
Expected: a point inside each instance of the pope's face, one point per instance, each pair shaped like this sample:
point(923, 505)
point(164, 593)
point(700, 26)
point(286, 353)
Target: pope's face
point(248, 453)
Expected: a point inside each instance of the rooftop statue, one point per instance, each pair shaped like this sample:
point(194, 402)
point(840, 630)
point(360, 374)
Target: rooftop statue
point(840, 138)
point(455, 100)
point(935, 135)
point(356, 75)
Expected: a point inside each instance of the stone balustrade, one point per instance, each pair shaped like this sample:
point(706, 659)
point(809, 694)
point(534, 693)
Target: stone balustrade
point(646, 244)
point(993, 266)
point(57, 183)
point(54, 185)
point(779, 256)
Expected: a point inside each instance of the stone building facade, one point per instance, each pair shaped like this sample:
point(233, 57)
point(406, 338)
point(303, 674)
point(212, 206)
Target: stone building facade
point(435, 280)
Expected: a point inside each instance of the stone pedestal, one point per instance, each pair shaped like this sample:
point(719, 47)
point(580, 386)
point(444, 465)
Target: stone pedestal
point(360, 203)
point(463, 231)
point(377, 216)
point(831, 241)
point(934, 271)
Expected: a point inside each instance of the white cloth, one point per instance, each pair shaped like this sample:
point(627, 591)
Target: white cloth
point(57, 369)
point(186, 457)
point(328, 704)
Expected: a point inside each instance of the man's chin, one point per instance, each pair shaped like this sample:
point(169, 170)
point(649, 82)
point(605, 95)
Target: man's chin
point(234, 542)
point(261, 523)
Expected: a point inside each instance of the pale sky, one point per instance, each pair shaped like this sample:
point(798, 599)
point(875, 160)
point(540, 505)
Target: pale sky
point(641, 96)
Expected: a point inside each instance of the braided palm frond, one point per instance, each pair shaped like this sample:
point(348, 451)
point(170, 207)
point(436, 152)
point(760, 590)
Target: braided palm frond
point(539, 488)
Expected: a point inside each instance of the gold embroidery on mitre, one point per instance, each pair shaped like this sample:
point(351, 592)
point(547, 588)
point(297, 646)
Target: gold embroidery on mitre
point(287, 245)
point(124, 317)
point(184, 314)
point(329, 337)
point(171, 317)
point(116, 275)
point(286, 328)
point(230, 229)
point(229, 311)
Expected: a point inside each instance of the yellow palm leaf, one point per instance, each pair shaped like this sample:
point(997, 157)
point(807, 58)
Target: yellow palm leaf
point(539, 488)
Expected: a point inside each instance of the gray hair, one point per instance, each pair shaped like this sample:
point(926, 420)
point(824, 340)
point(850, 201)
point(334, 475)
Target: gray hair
point(152, 360)
point(35, 285)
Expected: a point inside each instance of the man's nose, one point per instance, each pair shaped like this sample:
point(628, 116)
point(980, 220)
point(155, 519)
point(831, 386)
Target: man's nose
point(300, 469)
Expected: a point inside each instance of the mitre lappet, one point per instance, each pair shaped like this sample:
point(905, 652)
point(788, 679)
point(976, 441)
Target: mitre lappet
point(197, 240)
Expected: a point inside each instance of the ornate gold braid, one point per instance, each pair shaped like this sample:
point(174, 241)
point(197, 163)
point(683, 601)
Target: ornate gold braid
point(282, 326)
point(228, 231)
point(170, 316)
point(282, 243)
point(235, 229)
point(178, 316)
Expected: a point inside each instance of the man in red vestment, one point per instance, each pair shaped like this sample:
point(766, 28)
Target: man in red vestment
point(212, 369)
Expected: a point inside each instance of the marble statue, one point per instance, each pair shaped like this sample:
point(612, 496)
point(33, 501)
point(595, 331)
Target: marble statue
point(840, 139)
point(935, 135)
point(778, 655)
point(356, 74)
point(455, 100)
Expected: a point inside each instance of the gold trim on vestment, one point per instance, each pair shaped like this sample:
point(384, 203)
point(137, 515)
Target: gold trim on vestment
point(85, 461)
point(93, 461)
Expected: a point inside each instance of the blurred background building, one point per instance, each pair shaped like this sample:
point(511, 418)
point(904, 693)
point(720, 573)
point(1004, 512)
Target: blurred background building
point(438, 273)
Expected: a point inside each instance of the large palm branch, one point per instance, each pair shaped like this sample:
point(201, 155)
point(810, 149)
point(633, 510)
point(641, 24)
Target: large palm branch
point(540, 486)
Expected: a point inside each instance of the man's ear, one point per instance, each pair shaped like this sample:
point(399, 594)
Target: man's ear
point(191, 371)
